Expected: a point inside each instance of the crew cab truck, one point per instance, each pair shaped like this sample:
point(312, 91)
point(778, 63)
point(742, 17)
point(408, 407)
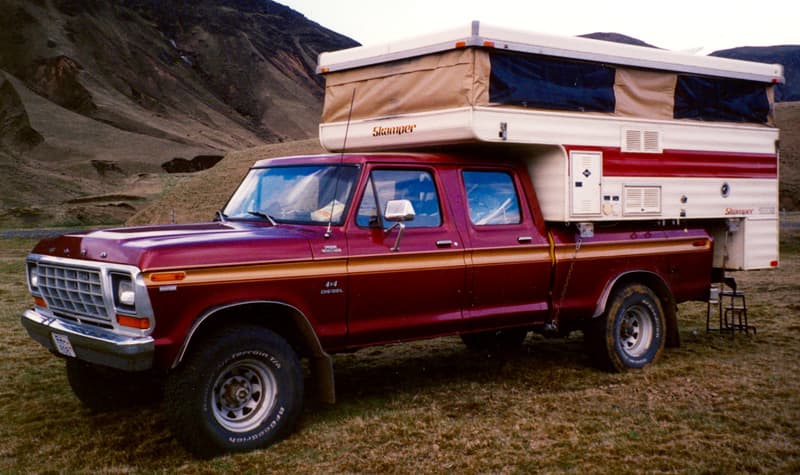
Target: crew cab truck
point(323, 254)
point(492, 209)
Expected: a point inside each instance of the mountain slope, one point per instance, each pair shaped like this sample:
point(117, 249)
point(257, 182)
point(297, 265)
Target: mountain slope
point(98, 95)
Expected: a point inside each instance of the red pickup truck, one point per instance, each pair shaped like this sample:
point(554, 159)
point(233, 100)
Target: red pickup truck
point(322, 254)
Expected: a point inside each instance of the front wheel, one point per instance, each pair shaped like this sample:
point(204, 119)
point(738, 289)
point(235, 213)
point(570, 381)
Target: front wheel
point(242, 390)
point(631, 333)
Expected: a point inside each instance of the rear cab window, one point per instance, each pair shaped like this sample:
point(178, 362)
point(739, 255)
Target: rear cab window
point(492, 197)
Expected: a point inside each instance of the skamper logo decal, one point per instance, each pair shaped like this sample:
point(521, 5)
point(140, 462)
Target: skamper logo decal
point(730, 211)
point(378, 131)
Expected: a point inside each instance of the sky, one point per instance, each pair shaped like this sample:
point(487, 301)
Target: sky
point(700, 26)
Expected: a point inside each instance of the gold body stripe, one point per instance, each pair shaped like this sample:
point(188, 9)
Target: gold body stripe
point(387, 263)
point(384, 263)
point(513, 255)
point(250, 273)
point(603, 250)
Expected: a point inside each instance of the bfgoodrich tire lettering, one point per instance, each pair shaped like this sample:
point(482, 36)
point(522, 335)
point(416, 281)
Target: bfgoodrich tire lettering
point(241, 390)
point(631, 334)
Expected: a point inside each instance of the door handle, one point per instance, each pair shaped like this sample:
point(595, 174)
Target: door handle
point(524, 239)
point(444, 243)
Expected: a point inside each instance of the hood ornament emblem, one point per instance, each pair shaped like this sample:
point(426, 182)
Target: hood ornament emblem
point(83, 252)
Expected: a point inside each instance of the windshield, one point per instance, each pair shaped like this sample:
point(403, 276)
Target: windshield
point(307, 194)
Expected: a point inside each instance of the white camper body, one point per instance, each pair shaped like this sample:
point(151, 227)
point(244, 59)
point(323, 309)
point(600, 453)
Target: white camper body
point(609, 132)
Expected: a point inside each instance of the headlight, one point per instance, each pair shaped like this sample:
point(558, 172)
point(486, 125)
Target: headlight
point(33, 277)
point(124, 292)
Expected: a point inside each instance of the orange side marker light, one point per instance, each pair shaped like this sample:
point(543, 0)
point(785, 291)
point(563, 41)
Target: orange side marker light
point(133, 322)
point(167, 276)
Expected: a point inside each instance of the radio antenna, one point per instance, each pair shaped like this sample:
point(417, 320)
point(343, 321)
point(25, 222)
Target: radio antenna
point(327, 234)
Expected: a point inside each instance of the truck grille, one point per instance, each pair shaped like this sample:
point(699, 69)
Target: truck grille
point(75, 292)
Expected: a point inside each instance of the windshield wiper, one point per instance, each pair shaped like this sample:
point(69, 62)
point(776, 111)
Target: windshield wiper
point(263, 215)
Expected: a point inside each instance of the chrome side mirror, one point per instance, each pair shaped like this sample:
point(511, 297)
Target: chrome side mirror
point(398, 211)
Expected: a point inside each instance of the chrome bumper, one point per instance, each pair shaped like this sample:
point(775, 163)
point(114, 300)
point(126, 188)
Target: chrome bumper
point(94, 345)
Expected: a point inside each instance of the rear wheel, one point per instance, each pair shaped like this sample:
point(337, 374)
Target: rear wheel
point(241, 390)
point(631, 333)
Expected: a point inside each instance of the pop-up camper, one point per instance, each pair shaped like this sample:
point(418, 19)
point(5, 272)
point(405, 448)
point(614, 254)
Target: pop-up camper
point(611, 132)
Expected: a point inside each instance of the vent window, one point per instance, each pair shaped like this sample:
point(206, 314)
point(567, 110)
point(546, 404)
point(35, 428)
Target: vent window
point(638, 200)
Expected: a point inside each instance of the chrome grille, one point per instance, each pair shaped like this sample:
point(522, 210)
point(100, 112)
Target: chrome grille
point(72, 290)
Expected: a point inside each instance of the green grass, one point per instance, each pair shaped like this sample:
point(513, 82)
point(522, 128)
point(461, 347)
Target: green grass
point(718, 404)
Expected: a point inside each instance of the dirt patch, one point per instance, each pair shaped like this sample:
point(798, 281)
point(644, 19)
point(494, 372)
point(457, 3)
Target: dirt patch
point(198, 163)
point(105, 166)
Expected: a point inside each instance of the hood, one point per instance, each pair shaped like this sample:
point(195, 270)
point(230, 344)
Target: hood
point(189, 245)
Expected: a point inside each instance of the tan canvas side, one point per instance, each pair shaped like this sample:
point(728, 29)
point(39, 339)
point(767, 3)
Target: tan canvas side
point(432, 82)
point(646, 94)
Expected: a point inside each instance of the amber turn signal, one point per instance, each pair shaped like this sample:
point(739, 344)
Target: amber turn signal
point(168, 276)
point(39, 302)
point(133, 322)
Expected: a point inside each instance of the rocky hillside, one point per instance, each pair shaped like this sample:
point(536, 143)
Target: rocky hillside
point(107, 104)
point(99, 97)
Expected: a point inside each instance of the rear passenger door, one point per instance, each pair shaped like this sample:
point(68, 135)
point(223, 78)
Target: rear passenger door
point(508, 259)
point(416, 290)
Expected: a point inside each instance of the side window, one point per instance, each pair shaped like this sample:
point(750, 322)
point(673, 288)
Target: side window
point(491, 197)
point(414, 185)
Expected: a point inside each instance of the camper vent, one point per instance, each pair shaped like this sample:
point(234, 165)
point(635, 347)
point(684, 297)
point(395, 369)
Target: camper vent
point(642, 200)
point(636, 140)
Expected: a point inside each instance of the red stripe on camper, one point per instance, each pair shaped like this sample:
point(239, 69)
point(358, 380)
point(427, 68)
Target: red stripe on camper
point(686, 163)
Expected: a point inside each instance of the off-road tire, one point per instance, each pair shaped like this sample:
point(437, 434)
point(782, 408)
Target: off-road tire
point(239, 390)
point(632, 331)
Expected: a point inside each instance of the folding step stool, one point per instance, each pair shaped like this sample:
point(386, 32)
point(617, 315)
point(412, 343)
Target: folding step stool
point(731, 307)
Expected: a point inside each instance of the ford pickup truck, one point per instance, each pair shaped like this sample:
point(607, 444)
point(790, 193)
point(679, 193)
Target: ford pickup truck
point(315, 255)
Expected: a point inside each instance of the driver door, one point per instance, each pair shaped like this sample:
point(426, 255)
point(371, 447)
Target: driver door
point(416, 290)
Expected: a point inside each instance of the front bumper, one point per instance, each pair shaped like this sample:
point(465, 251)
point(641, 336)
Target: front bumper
point(90, 344)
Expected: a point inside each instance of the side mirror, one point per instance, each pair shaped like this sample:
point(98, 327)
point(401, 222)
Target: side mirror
point(398, 211)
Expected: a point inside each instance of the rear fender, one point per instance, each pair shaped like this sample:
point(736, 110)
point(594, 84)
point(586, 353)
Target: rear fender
point(657, 285)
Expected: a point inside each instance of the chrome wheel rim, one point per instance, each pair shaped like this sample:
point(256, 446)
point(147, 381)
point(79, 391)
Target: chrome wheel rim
point(243, 394)
point(636, 331)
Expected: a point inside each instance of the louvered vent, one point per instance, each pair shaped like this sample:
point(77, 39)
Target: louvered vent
point(642, 200)
point(642, 141)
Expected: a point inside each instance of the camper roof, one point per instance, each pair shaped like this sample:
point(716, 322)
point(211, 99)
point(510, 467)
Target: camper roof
point(486, 36)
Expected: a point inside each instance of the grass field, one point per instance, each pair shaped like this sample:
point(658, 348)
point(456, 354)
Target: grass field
point(718, 404)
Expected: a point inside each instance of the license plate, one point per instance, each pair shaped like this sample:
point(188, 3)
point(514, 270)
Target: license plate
point(63, 344)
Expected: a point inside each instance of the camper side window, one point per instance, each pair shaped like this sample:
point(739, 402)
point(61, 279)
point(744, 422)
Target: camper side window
point(491, 197)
